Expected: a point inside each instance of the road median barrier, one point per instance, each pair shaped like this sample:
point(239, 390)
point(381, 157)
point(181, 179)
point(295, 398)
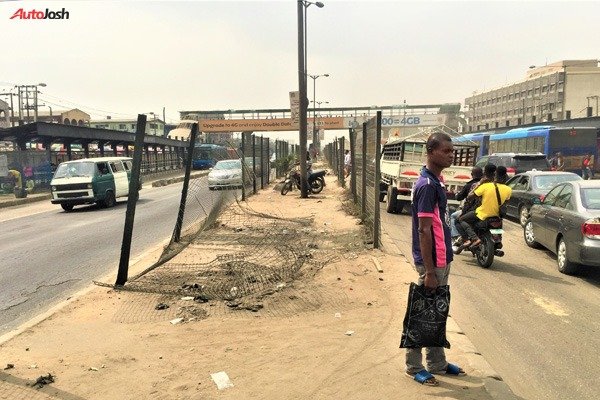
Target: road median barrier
point(170, 181)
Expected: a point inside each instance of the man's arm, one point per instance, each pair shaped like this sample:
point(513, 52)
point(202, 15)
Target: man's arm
point(426, 246)
point(464, 192)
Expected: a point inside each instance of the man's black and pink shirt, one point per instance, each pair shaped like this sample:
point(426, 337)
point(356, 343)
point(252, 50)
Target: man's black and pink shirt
point(429, 200)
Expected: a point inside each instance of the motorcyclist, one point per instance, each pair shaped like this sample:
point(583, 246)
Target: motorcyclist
point(490, 206)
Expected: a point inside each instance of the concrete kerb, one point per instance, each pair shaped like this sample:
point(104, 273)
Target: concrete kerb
point(493, 382)
point(169, 181)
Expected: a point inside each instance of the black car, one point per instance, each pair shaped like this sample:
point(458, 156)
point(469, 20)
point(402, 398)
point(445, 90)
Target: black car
point(532, 185)
point(567, 222)
point(516, 163)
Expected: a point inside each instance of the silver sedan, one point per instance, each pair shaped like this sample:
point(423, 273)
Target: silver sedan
point(567, 222)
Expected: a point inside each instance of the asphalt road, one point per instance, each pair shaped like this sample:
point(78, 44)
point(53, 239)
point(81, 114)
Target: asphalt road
point(539, 329)
point(48, 254)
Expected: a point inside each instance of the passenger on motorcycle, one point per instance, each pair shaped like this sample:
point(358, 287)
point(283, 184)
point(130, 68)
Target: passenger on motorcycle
point(493, 195)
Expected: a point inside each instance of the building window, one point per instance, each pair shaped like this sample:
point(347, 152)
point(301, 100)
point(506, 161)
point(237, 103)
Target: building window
point(132, 126)
point(121, 126)
point(529, 93)
point(552, 88)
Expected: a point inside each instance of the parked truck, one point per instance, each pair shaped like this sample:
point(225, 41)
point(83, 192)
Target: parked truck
point(402, 160)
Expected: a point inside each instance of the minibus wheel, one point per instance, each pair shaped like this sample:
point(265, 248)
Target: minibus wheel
point(109, 200)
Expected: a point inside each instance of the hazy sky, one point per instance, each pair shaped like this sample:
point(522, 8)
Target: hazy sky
point(122, 58)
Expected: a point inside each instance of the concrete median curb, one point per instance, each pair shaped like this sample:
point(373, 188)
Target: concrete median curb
point(26, 200)
point(169, 181)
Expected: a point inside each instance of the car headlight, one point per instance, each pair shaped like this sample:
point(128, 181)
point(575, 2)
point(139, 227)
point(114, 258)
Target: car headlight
point(54, 188)
point(89, 185)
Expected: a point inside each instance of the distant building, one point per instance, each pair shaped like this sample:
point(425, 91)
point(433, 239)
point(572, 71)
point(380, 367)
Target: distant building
point(66, 117)
point(559, 91)
point(154, 127)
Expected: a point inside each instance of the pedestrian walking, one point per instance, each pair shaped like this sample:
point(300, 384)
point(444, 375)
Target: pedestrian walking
point(347, 163)
point(432, 249)
point(586, 167)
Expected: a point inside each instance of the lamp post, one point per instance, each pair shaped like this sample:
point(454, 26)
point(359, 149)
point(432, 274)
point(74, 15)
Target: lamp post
point(301, 9)
point(315, 131)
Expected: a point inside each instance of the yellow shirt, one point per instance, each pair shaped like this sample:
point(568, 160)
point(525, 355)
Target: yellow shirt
point(489, 201)
point(16, 176)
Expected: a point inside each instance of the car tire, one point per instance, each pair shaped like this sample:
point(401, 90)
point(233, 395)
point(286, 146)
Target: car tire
point(529, 236)
point(67, 207)
point(109, 200)
point(523, 215)
point(564, 265)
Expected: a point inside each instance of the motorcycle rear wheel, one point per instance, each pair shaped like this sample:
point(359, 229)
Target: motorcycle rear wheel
point(287, 186)
point(316, 186)
point(485, 252)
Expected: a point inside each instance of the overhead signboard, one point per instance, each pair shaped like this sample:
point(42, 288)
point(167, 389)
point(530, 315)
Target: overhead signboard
point(413, 120)
point(265, 125)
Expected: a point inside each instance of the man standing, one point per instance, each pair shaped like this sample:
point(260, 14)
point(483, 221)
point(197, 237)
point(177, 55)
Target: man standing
point(476, 175)
point(586, 167)
point(347, 163)
point(432, 249)
point(560, 162)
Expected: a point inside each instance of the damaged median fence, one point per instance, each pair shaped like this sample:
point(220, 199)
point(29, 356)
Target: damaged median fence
point(231, 251)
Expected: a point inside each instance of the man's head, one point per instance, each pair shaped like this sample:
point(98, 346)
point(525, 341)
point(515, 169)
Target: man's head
point(489, 170)
point(440, 152)
point(558, 154)
point(476, 173)
point(347, 151)
point(501, 174)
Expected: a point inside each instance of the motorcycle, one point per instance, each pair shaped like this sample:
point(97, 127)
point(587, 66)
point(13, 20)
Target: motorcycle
point(316, 181)
point(490, 232)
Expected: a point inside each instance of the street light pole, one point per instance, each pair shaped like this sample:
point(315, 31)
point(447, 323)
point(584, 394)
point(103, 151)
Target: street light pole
point(315, 138)
point(302, 5)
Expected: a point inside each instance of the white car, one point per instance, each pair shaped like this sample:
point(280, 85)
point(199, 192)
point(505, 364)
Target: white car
point(225, 174)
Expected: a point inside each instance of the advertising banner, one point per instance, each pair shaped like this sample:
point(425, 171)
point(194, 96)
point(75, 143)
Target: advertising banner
point(295, 108)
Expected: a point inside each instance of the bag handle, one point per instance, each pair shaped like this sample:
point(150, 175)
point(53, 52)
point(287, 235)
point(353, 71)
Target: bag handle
point(498, 196)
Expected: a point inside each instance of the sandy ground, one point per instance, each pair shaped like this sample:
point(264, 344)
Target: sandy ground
point(111, 344)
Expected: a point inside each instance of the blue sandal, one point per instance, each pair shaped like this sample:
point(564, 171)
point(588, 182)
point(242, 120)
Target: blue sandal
point(424, 378)
point(452, 369)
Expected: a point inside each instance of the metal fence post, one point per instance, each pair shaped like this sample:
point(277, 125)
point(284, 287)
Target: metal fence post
point(268, 161)
point(131, 201)
point(377, 216)
point(186, 181)
point(262, 163)
point(353, 164)
point(363, 206)
point(244, 172)
point(254, 164)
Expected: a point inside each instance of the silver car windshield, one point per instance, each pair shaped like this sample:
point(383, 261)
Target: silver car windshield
point(590, 198)
point(69, 170)
point(547, 182)
point(233, 164)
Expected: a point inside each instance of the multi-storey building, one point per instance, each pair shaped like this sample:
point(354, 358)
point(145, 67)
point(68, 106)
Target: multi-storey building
point(559, 91)
point(153, 126)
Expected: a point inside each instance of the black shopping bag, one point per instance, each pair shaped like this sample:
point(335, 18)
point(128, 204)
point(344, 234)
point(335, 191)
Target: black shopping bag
point(425, 319)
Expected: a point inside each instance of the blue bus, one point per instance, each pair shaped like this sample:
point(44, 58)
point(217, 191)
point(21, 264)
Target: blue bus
point(481, 139)
point(206, 155)
point(573, 143)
